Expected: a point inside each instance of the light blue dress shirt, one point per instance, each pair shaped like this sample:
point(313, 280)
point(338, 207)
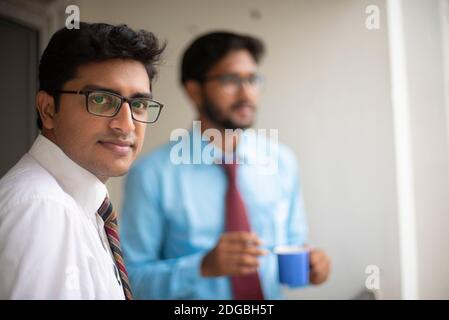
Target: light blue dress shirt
point(173, 214)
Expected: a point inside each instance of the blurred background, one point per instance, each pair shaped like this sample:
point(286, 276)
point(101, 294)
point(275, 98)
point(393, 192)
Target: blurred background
point(358, 89)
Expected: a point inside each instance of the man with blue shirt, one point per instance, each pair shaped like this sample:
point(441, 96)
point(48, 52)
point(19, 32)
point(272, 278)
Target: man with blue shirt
point(200, 212)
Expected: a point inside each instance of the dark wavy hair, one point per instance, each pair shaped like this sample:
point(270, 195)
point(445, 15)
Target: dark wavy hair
point(93, 42)
point(207, 50)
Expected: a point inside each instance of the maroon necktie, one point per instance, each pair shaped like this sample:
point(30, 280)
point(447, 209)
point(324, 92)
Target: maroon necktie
point(245, 287)
point(109, 217)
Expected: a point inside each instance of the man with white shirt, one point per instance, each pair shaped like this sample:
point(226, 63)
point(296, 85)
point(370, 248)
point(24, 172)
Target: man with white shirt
point(58, 231)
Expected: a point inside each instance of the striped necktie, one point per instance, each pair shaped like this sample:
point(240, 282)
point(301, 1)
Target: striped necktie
point(245, 287)
point(109, 217)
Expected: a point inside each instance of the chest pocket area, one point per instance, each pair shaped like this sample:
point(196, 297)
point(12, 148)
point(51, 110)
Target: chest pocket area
point(268, 207)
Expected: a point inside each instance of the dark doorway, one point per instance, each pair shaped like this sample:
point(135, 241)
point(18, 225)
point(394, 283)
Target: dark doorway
point(18, 84)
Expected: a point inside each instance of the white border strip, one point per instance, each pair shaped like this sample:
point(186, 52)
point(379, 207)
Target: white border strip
point(403, 148)
point(444, 16)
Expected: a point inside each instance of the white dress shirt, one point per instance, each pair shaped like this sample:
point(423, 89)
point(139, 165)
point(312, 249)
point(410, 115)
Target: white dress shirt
point(52, 240)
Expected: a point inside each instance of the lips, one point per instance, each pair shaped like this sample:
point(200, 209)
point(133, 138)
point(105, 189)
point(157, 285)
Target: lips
point(243, 105)
point(118, 147)
point(245, 110)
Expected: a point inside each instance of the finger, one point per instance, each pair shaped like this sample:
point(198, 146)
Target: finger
point(314, 256)
point(243, 248)
point(230, 264)
point(247, 261)
point(255, 251)
point(320, 274)
point(317, 278)
point(236, 263)
point(321, 270)
point(317, 256)
point(319, 260)
point(318, 268)
point(243, 236)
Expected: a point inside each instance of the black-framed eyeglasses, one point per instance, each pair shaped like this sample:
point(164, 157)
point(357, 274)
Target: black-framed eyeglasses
point(107, 104)
point(233, 82)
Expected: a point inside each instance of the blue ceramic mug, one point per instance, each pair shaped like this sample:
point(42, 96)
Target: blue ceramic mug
point(294, 265)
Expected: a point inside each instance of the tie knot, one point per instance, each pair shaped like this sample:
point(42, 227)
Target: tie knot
point(230, 170)
point(105, 211)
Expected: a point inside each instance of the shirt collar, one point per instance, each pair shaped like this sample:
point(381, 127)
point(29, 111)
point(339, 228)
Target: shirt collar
point(249, 149)
point(85, 188)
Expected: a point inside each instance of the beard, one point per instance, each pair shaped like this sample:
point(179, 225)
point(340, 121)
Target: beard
point(212, 111)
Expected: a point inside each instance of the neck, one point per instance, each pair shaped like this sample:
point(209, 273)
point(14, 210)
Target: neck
point(102, 179)
point(49, 134)
point(228, 144)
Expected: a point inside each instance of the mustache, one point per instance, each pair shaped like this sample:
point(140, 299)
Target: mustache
point(120, 138)
point(241, 104)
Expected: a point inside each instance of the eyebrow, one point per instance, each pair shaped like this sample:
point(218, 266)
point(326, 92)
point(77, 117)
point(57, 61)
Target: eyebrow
point(233, 74)
point(134, 95)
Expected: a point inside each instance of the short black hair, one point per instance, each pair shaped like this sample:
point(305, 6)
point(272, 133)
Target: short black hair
point(68, 49)
point(208, 49)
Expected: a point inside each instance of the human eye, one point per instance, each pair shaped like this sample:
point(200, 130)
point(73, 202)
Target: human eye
point(228, 79)
point(100, 98)
point(254, 79)
point(140, 105)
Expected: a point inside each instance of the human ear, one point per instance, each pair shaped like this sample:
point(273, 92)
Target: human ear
point(194, 91)
point(45, 105)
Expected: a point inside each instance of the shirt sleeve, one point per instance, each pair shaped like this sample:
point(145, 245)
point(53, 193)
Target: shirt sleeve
point(142, 231)
point(297, 222)
point(40, 257)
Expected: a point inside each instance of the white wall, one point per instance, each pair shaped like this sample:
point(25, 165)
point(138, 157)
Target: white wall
point(330, 95)
point(328, 92)
point(337, 116)
point(424, 47)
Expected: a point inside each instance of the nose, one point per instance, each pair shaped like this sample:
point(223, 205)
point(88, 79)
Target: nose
point(123, 121)
point(246, 90)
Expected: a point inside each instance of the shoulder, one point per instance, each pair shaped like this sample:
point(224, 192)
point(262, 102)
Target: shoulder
point(33, 207)
point(288, 168)
point(281, 164)
point(287, 159)
point(267, 149)
point(28, 183)
point(36, 223)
